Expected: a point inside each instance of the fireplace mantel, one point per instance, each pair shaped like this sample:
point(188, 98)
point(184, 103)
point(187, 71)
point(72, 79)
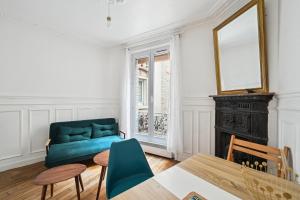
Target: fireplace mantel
point(244, 115)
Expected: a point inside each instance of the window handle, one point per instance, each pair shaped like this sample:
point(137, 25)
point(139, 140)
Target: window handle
point(161, 50)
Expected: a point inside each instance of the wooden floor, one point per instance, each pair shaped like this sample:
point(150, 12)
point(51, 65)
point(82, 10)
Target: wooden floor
point(17, 183)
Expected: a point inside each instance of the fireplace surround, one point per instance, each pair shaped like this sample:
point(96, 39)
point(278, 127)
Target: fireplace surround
point(245, 116)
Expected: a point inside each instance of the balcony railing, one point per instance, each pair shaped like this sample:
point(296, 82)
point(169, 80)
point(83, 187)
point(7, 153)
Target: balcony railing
point(160, 123)
point(143, 122)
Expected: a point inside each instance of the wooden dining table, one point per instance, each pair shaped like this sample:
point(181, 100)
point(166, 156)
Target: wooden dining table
point(211, 178)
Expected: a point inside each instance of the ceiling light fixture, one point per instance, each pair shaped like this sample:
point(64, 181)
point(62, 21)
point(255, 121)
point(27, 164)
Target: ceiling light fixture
point(109, 4)
point(108, 18)
point(120, 2)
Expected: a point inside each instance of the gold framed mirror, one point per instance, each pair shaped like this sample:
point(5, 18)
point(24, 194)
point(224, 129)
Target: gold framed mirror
point(240, 51)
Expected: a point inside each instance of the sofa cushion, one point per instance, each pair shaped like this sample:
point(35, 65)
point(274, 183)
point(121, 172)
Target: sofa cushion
point(71, 152)
point(55, 127)
point(69, 134)
point(100, 130)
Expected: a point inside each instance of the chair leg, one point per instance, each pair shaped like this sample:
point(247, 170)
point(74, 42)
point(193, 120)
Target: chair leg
point(102, 175)
point(81, 183)
point(77, 187)
point(44, 191)
point(52, 190)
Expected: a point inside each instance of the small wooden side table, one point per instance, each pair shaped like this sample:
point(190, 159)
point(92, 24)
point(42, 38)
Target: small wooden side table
point(102, 160)
point(59, 174)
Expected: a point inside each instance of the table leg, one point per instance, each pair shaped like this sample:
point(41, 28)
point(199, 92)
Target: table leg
point(44, 191)
point(81, 183)
point(52, 190)
point(77, 187)
point(102, 175)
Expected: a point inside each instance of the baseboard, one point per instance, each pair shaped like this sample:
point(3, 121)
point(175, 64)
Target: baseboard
point(22, 162)
point(156, 151)
point(183, 156)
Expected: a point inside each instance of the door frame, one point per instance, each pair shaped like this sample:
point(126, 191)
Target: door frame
point(150, 53)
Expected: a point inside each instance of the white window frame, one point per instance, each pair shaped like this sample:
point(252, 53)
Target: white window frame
point(144, 87)
point(150, 54)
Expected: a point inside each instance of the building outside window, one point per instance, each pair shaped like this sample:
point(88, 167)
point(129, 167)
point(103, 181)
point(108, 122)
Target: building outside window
point(152, 88)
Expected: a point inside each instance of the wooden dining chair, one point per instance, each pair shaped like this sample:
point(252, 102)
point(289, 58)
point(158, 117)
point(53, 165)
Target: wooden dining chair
point(268, 153)
point(291, 174)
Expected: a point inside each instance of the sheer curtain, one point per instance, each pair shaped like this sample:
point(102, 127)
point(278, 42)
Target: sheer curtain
point(175, 133)
point(125, 122)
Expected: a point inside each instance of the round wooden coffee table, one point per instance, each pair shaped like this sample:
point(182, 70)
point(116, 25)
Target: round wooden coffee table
point(102, 160)
point(59, 174)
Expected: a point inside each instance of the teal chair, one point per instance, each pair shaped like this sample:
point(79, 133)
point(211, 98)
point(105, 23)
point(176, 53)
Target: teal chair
point(127, 167)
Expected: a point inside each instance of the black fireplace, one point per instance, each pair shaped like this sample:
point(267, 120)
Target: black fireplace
point(245, 116)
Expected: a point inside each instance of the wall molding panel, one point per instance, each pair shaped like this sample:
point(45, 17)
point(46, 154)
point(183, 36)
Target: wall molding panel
point(273, 122)
point(25, 120)
point(289, 125)
point(38, 128)
point(198, 120)
point(50, 100)
point(11, 121)
point(64, 114)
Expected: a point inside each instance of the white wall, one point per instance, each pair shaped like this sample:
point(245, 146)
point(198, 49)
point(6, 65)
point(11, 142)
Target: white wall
point(114, 70)
point(198, 83)
point(289, 46)
point(289, 82)
point(199, 80)
point(59, 65)
point(47, 77)
point(198, 62)
point(283, 47)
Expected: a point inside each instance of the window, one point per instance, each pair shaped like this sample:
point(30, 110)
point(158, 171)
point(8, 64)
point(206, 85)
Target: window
point(151, 90)
point(142, 92)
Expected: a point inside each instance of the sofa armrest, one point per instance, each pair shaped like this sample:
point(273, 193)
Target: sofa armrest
point(123, 133)
point(47, 145)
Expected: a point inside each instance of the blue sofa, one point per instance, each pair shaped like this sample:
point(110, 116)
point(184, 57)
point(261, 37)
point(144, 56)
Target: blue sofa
point(76, 141)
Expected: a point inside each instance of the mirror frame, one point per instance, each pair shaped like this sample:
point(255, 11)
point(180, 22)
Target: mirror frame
point(262, 48)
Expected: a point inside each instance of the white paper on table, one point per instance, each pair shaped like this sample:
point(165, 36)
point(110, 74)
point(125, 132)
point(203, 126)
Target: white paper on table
point(181, 182)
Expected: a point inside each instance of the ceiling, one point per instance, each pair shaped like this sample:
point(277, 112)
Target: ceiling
point(86, 19)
